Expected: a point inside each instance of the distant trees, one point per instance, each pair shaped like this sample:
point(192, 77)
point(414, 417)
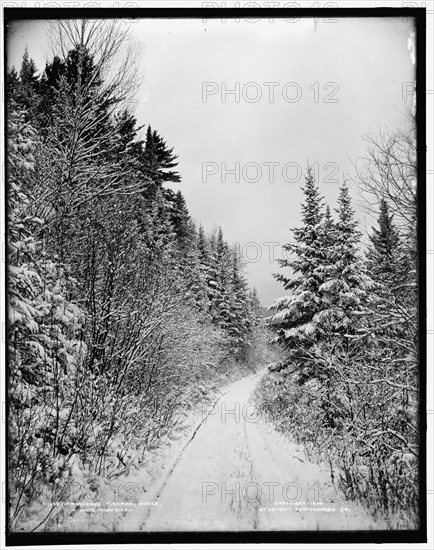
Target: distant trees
point(347, 385)
point(122, 313)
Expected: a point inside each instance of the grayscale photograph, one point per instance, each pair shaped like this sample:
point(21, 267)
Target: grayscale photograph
point(215, 274)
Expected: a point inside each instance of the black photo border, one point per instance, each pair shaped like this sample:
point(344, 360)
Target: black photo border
point(256, 537)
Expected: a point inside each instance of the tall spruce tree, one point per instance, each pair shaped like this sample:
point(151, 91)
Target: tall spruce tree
point(295, 312)
point(385, 253)
point(166, 159)
point(344, 292)
point(241, 323)
point(150, 161)
point(192, 270)
point(12, 83)
point(181, 220)
point(158, 159)
point(222, 272)
point(26, 92)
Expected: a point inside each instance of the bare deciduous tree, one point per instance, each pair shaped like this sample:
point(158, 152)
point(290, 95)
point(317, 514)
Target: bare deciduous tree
point(110, 45)
point(389, 170)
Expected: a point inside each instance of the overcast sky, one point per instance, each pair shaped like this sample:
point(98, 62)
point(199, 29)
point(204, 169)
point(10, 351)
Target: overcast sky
point(331, 81)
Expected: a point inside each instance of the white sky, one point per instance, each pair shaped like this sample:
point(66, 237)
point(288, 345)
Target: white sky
point(367, 59)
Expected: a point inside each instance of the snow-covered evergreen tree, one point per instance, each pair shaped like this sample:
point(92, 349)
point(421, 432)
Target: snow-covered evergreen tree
point(386, 258)
point(293, 321)
point(27, 91)
point(345, 290)
point(222, 274)
point(242, 322)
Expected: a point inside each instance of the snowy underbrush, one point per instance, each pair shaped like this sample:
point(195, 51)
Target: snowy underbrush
point(365, 461)
point(84, 416)
point(75, 460)
point(315, 484)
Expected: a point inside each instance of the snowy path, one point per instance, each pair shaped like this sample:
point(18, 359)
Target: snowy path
point(239, 474)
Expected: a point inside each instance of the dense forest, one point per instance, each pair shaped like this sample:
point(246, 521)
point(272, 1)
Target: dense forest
point(123, 314)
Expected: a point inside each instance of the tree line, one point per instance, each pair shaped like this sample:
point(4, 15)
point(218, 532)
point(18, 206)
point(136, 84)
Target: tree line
point(123, 313)
point(347, 331)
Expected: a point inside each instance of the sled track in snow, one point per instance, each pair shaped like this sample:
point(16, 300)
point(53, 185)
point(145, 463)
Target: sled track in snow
point(171, 469)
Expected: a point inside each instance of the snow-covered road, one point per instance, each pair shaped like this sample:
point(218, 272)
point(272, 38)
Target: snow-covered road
point(238, 474)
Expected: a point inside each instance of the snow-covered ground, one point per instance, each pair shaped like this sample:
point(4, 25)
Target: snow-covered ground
point(230, 470)
point(238, 473)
